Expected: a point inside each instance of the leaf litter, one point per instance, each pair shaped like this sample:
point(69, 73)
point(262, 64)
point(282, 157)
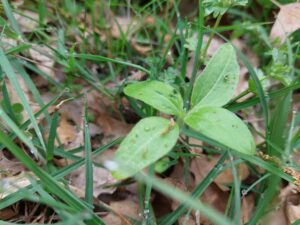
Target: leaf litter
point(108, 125)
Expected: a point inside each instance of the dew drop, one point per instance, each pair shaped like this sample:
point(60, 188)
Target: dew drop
point(111, 165)
point(244, 192)
point(219, 167)
point(147, 128)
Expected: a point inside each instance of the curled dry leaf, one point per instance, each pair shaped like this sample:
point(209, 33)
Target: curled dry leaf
point(290, 196)
point(287, 21)
point(287, 207)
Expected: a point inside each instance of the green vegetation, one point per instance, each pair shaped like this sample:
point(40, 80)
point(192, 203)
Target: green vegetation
point(170, 72)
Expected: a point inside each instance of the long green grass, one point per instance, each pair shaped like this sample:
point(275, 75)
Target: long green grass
point(77, 30)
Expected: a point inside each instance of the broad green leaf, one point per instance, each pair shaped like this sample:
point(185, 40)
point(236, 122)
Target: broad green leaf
point(223, 126)
point(150, 139)
point(219, 7)
point(216, 85)
point(159, 95)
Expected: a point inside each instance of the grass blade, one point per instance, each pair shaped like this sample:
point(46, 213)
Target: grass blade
point(11, 17)
point(88, 159)
point(106, 59)
point(47, 180)
point(174, 216)
point(182, 197)
point(52, 135)
point(8, 69)
point(19, 133)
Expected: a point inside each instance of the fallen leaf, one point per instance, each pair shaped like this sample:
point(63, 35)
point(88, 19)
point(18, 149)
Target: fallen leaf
point(28, 21)
point(127, 207)
point(247, 207)
point(287, 21)
point(44, 59)
point(66, 132)
point(291, 198)
point(70, 126)
point(200, 167)
point(12, 184)
point(7, 213)
point(101, 177)
point(9, 167)
point(184, 219)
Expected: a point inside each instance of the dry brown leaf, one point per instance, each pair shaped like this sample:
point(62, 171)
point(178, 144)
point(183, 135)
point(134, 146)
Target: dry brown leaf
point(43, 57)
point(290, 196)
point(287, 21)
point(71, 123)
point(127, 207)
point(142, 50)
point(287, 207)
point(201, 166)
point(123, 26)
point(277, 216)
point(66, 132)
point(9, 167)
point(107, 117)
point(12, 184)
point(101, 177)
point(193, 217)
point(28, 21)
point(128, 27)
point(7, 213)
point(247, 208)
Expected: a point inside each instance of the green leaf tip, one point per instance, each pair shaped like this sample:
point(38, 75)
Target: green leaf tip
point(217, 83)
point(157, 94)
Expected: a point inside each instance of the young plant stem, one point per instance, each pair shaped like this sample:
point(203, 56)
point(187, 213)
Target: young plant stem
point(212, 34)
point(244, 93)
point(197, 54)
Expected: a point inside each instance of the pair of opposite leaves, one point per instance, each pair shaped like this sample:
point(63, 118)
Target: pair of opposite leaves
point(153, 137)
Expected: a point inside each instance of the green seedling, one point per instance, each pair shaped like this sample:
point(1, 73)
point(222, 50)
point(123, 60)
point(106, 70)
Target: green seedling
point(153, 137)
point(219, 7)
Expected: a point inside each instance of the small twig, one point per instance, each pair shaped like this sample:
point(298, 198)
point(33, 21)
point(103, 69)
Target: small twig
point(212, 34)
